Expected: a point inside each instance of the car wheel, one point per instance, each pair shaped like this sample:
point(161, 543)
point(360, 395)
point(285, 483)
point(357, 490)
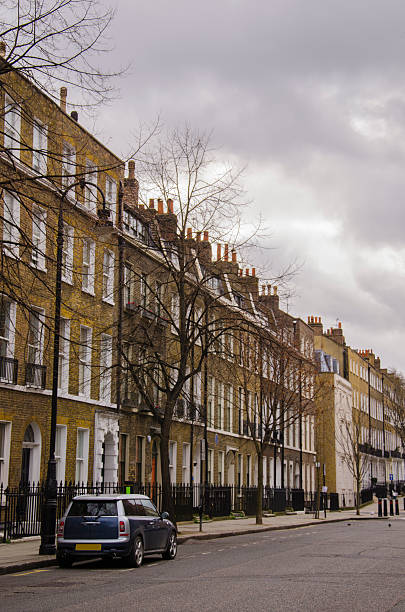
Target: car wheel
point(64, 561)
point(171, 549)
point(136, 554)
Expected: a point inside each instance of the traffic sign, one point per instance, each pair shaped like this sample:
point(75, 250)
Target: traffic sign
point(391, 476)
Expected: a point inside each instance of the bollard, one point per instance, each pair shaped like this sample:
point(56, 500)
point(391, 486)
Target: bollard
point(396, 506)
point(385, 507)
point(391, 507)
point(404, 502)
point(379, 507)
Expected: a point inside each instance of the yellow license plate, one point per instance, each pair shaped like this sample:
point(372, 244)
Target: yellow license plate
point(88, 546)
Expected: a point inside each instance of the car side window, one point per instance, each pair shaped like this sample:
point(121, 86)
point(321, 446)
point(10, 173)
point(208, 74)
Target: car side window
point(150, 509)
point(132, 507)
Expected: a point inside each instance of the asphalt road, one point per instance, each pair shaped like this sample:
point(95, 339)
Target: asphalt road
point(345, 566)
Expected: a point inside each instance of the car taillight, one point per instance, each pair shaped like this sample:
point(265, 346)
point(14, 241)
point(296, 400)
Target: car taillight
point(122, 527)
point(61, 528)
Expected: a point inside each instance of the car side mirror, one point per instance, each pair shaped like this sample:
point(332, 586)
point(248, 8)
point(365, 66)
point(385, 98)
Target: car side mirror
point(165, 515)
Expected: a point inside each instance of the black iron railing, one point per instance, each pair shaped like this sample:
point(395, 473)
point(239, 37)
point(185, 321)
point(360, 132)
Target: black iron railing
point(35, 375)
point(8, 370)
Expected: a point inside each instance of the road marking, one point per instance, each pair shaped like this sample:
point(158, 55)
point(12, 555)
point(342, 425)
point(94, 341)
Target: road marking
point(131, 569)
point(206, 553)
point(35, 571)
point(220, 549)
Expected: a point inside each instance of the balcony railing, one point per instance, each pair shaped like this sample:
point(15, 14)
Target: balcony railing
point(8, 370)
point(35, 375)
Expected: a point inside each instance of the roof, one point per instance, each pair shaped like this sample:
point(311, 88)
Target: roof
point(111, 497)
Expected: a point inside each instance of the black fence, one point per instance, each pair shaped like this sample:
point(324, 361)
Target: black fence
point(20, 507)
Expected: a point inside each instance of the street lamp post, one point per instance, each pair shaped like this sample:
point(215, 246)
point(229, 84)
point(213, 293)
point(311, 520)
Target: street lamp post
point(317, 465)
point(48, 510)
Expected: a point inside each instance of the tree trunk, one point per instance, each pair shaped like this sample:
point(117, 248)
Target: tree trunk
point(259, 507)
point(167, 499)
point(358, 496)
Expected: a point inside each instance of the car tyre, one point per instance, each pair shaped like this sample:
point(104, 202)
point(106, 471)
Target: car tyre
point(171, 549)
point(136, 553)
point(64, 561)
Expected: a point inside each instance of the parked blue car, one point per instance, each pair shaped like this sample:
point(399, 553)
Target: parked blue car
point(115, 526)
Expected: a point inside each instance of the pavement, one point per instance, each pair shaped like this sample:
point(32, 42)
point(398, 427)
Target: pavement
point(21, 555)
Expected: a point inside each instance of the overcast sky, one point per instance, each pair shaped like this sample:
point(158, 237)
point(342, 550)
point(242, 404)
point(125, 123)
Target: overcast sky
point(310, 95)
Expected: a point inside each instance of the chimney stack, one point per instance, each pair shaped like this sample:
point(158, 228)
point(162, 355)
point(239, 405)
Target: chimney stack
point(3, 48)
point(63, 96)
point(131, 170)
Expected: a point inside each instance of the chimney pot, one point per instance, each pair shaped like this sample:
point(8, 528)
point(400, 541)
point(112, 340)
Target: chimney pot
point(320, 321)
point(253, 271)
point(74, 115)
point(240, 272)
point(131, 170)
point(63, 96)
point(170, 206)
point(226, 253)
point(189, 233)
point(198, 236)
point(263, 289)
point(340, 325)
point(205, 236)
point(247, 271)
point(151, 203)
point(3, 48)
point(160, 206)
point(274, 290)
point(233, 256)
point(219, 250)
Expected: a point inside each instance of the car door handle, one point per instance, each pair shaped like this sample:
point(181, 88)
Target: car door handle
point(151, 523)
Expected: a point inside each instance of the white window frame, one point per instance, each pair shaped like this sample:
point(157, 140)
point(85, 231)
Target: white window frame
point(108, 277)
point(37, 348)
point(90, 195)
point(210, 466)
point(68, 167)
point(9, 326)
point(11, 224)
point(67, 254)
point(82, 460)
point(186, 463)
point(12, 126)
point(88, 265)
point(39, 147)
point(111, 196)
point(220, 405)
point(38, 255)
point(105, 367)
point(221, 468)
point(85, 350)
point(5, 443)
point(64, 355)
point(60, 452)
point(172, 460)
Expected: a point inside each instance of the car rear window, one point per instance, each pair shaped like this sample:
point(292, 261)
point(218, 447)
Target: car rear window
point(93, 508)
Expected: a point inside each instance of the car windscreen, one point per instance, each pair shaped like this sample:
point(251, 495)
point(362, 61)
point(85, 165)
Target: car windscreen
point(93, 508)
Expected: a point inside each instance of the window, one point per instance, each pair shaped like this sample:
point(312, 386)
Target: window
point(5, 431)
point(139, 459)
point(85, 361)
point(36, 336)
point(220, 405)
point(63, 370)
point(221, 467)
point(105, 368)
point(172, 461)
point(111, 196)
point(144, 291)
point(89, 250)
point(128, 286)
point(186, 464)
point(68, 166)
point(40, 147)
point(133, 507)
point(82, 455)
point(150, 509)
point(248, 469)
point(240, 409)
point(38, 237)
point(123, 458)
point(12, 125)
point(11, 224)
point(175, 313)
point(90, 192)
point(7, 328)
point(67, 254)
point(60, 452)
point(158, 298)
point(108, 277)
point(210, 466)
point(210, 402)
point(228, 407)
point(240, 468)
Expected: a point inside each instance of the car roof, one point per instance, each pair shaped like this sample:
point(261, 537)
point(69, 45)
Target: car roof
point(110, 497)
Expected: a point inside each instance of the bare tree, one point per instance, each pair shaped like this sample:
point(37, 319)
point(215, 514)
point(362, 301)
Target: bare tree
point(396, 404)
point(180, 282)
point(349, 443)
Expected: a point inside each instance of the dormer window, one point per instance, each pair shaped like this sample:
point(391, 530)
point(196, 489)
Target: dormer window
point(239, 300)
point(215, 283)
